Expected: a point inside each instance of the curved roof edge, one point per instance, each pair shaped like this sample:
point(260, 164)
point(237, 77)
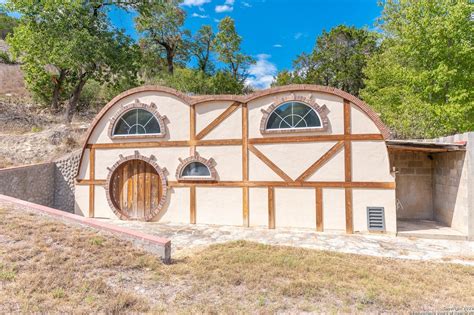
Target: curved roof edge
point(196, 99)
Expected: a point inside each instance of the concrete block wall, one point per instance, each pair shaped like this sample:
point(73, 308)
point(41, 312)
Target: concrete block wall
point(450, 189)
point(48, 184)
point(33, 183)
point(414, 184)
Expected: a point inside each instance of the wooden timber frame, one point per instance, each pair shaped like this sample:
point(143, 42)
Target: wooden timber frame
point(343, 141)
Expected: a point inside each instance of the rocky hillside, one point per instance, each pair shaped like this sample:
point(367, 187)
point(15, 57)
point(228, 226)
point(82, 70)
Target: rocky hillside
point(11, 77)
point(29, 134)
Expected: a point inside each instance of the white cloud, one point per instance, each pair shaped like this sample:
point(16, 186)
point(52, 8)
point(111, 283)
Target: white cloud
point(201, 9)
point(194, 3)
point(201, 16)
point(246, 4)
point(278, 45)
point(261, 73)
point(224, 8)
point(228, 6)
point(298, 35)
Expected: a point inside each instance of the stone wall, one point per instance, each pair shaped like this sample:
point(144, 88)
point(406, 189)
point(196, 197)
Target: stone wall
point(64, 176)
point(34, 183)
point(414, 184)
point(450, 189)
point(48, 184)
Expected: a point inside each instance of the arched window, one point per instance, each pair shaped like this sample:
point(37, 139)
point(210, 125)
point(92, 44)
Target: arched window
point(137, 121)
point(196, 168)
point(293, 115)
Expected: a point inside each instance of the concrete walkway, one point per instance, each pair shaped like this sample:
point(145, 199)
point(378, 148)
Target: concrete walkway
point(186, 237)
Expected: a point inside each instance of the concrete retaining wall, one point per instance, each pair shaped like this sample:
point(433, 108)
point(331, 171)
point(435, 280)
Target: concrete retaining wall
point(34, 183)
point(48, 184)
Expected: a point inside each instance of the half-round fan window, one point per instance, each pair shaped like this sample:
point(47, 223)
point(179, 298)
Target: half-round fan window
point(196, 170)
point(137, 121)
point(293, 115)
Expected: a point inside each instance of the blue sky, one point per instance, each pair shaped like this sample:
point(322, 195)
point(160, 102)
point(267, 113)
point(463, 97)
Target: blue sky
point(274, 32)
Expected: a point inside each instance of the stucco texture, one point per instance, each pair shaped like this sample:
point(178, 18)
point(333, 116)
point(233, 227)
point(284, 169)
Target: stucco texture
point(223, 201)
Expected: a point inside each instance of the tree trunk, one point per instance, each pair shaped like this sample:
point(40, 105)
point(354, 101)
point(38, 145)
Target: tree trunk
point(57, 90)
point(169, 59)
point(74, 99)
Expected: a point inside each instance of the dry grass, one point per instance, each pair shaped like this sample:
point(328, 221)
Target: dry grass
point(49, 266)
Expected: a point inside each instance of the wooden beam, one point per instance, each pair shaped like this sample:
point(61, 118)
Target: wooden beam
point(150, 144)
point(232, 108)
point(349, 224)
point(373, 185)
point(92, 186)
point(192, 128)
point(271, 208)
point(245, 204)
point(321, 161)
point(269, 163)
point(245, 140)
point(320, 138)
point(319, 209)
point(347, 143)
point(98, 182)
point(347, 117)
point(192, 204)
point(245, 166)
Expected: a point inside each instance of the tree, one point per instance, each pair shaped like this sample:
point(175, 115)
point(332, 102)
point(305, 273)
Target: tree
point(337, 60)
point(202, 46)
point(161, 26)
point(421, 80)
point(63, 45)
point(7, 23)
point(227, 45)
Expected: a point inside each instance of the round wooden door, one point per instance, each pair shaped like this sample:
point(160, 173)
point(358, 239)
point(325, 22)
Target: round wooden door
point(136, 189)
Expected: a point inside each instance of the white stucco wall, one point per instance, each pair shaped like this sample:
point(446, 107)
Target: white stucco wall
point(222, 205)
point(334, 209)
point(294, 206)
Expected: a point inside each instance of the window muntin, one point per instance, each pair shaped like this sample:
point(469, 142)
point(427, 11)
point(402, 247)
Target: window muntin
point(196, 170)
point(293, 115)
point(137, 121)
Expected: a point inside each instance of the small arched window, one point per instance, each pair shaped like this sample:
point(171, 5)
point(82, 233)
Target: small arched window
point(196, 168)
point(293, 115)
point(137, 121)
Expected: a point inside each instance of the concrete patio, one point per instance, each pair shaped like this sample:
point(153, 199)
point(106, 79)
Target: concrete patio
point(185, 238)
point(428, 229)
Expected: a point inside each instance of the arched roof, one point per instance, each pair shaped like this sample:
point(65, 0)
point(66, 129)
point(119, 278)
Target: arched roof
point(197, 99)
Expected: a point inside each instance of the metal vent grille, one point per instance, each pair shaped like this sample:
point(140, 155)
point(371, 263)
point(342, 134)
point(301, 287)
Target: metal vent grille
point(375, 219)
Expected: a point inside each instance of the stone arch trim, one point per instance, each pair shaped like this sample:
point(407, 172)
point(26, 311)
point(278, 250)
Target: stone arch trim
point(322, 112)
point(209, 163)
point(137, 105)
point(196, 100)
point(164, 185)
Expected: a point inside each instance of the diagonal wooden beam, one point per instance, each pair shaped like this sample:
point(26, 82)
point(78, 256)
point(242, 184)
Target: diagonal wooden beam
point(269, 163)
point(322, 160)
point(232, 108)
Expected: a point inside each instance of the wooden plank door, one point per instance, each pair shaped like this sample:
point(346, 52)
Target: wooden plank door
point(136, 189)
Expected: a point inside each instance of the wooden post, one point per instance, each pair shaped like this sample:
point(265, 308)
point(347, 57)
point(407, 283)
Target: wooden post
point(192, 129)
point(245, 166)
point(348, 165)
point(192, 204)
point(319, 209)
point(271, 208)
point(91, 186)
